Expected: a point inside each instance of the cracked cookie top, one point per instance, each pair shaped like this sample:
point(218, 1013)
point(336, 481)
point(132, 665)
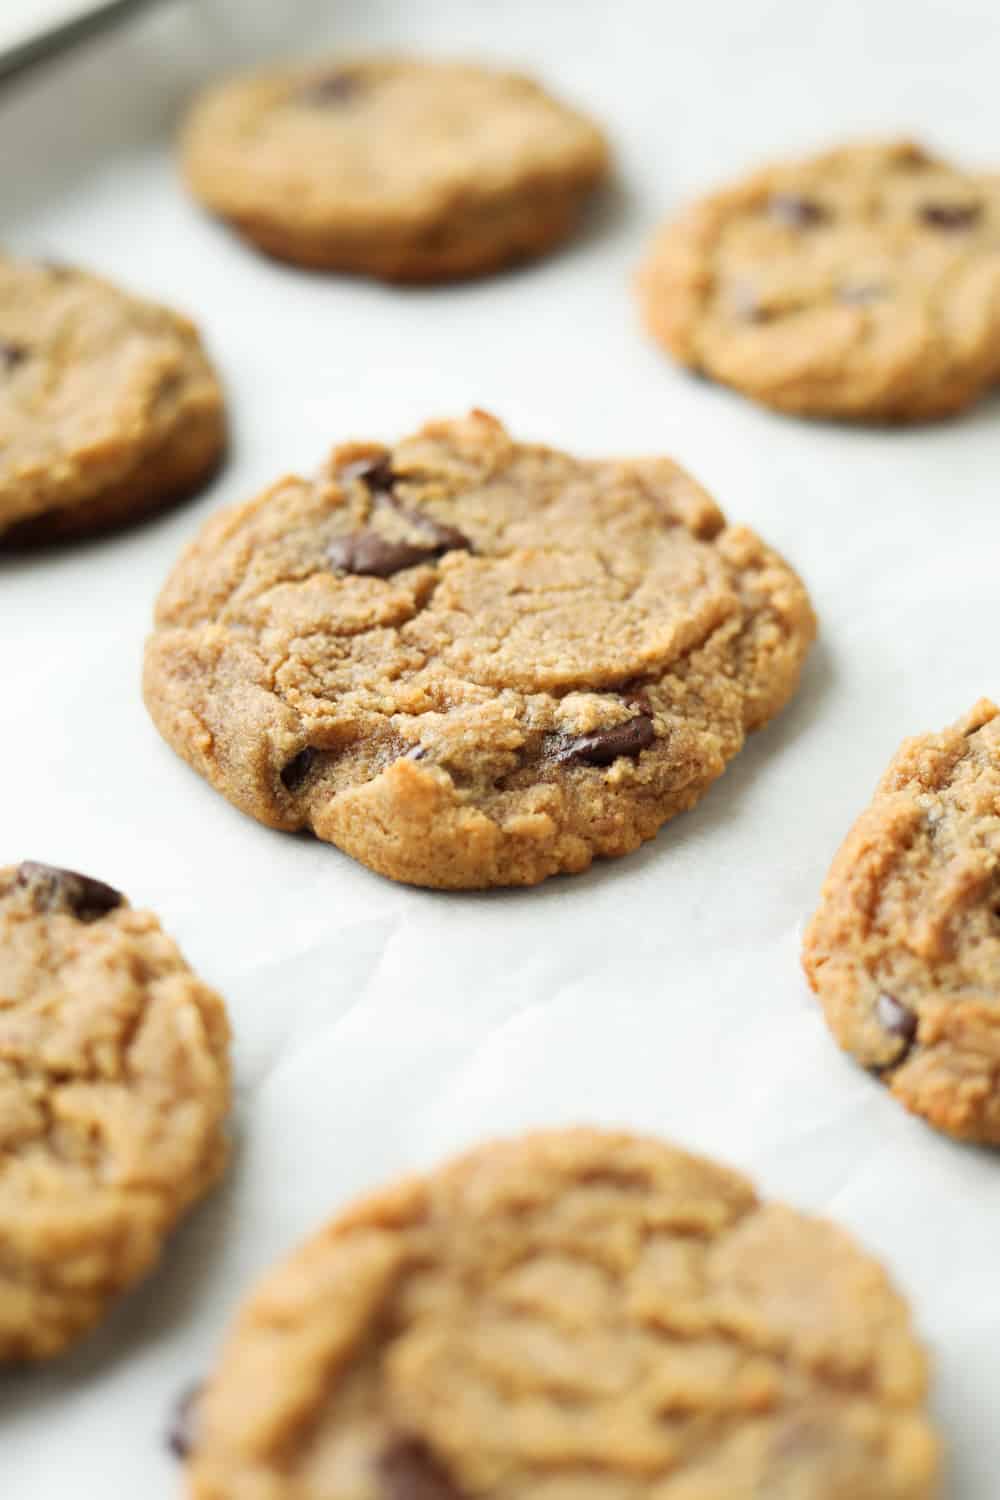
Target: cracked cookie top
point(469, 661)
point(581, 1315)
point(109, 407)
point(114, 1081)
point(862, 283)
point(904, 948)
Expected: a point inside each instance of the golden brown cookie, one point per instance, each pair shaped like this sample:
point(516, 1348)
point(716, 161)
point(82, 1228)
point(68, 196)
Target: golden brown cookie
point(579, 1315)
point(904, 949)
point(403, 169)
point(114, 1082)
point(863, 284)
point(109, 409)
point(473, 662)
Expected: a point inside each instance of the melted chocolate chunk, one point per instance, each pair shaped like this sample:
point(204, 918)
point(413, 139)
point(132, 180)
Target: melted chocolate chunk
point(605, 745)
point(298, 768)
point(951, 215)
point(182, 1429)
point(408, 1470)
point(899, 1021)
point(796, 211)
point(448, 538)
point(445, 538)
point(374, 556)
point(65, 890)
point(12, 355)
point(340, 87)
point(369, 553)
point(376, 473)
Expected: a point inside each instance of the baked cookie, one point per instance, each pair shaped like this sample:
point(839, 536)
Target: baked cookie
point(863, 283)
point(109, 409)
point(114, 1081)
point(904, 950)
point(472, 662)
point(402, 169)
point(576, 1314)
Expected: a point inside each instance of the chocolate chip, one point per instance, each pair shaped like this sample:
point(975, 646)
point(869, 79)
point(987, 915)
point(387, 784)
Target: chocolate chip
point(445, 538)
point(376, 473)
point(65, 890)
point(898, 1020)
point(182, 1429)
point(795, 211)
point(12, 355)
point(369, 553)
point(408, 1470)
point(372, 555)
point(332, 88)
point(298, 768)
point(951, 215)
point(605, 745)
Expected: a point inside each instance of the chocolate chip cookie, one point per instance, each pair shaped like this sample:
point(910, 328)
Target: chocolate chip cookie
point(904, 950)
point(398, 168)
point(862, 284)
point(109, 409)
point(114, 1081)
point(579, 1314)
point(469, 661)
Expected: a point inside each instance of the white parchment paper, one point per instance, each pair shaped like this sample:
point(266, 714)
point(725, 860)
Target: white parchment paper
point(379, 1028)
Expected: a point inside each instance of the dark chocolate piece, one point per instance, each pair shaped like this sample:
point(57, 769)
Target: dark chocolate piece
point(951, 215)
point(372, 555)
point(408, 1470)
point(66, 890)
point(298, 768)
point(12, 355)
point(899, 1021)
point(340, 87)
point(375, 472)
point(797, 211)
point(605, 745)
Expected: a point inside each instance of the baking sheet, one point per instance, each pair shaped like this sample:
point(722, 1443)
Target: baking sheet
point(377, 1027)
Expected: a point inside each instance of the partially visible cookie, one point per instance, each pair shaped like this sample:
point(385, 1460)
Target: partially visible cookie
point(109, 408)
point(863, 283)
point(404, 169)
point(469, 661)
point(114, 1083)
point(581, 1315)
point(904, 949)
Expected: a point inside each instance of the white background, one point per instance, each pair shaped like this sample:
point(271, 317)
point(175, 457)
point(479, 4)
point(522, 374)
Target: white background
point(379, 1028)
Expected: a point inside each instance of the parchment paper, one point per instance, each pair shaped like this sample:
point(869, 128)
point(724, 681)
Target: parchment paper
point(380, 1028)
